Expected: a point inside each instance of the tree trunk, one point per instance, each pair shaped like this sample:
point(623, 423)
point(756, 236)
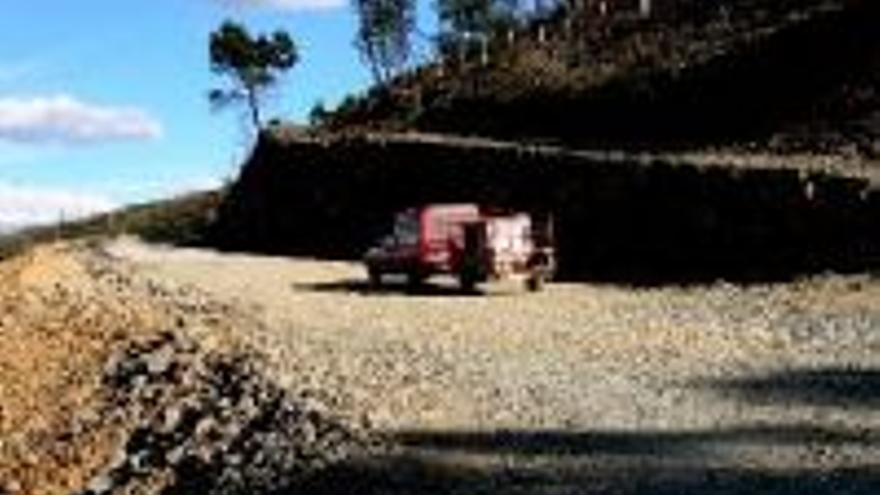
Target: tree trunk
point(254, 106)
point(462, 50)
point(375, 65)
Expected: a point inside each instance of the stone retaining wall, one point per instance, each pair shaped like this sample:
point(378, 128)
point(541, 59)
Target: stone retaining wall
point(616, 218)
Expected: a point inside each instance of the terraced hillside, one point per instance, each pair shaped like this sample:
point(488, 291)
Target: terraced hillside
point(778, 75)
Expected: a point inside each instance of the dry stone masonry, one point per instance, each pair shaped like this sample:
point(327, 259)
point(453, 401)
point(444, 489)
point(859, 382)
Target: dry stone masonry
point(618, 216)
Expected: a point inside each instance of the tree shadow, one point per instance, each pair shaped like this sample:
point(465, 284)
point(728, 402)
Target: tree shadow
point(845, 387)
point(629, 443)
point(603, 462)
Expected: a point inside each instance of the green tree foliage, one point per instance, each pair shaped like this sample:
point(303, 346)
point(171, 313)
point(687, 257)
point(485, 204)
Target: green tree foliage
point(252, 64)
point(319, 114)
point(384, 35)
point(465, 17)
point(468, 24)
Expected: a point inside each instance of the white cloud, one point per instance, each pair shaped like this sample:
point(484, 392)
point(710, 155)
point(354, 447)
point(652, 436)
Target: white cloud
point(67, 120)
point(26, 206)
point(288, 5)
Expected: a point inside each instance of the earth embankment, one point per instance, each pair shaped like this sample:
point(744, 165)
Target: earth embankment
point(111, 385)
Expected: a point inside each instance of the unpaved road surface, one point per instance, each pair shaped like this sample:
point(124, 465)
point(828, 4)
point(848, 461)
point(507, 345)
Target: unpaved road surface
point(579, 389)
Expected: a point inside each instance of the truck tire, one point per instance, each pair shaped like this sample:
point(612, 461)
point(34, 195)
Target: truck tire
point(467, 279)
point(538, 276)
point(415, 279)
point(467, 283)
point(535, 282)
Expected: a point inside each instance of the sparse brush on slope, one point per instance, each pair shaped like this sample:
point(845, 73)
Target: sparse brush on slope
point(690, 75)
point(181, 221)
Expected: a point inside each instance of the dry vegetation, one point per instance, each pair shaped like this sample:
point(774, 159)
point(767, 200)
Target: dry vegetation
point(696, 74)
point(183, 220)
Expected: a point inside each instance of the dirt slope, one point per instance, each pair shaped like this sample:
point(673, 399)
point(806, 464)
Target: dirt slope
point(51, 355)
point(109, 385)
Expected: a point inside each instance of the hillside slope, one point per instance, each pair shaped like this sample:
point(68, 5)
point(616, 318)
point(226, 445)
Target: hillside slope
point(781, 75)
point(183, 220)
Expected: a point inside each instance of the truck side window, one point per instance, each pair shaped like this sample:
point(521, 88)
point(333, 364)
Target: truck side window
point(406, 229)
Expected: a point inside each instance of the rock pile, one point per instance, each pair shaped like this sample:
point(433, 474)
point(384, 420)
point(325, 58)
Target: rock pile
point(212, 424)
point(112, 385)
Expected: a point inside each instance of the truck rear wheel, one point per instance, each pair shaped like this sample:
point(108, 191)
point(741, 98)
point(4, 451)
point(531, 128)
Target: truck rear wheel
point(535, 282)
point(538, 276)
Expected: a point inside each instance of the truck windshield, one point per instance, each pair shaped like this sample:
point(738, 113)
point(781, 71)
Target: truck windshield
point(406, 228)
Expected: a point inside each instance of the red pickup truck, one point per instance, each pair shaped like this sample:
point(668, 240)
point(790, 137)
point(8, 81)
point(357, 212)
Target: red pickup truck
point(464, 241)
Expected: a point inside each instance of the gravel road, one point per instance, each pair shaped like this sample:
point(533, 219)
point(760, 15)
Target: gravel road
point(579, 389)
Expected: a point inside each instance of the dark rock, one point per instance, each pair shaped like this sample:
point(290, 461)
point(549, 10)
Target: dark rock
point(215, 424)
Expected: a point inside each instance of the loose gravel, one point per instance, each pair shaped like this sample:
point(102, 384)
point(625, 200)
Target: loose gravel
point(581, 388)
point(111, 384)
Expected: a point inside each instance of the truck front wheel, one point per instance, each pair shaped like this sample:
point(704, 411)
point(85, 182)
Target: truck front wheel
point(415, 279)
point(375, 277)
point(467, 283)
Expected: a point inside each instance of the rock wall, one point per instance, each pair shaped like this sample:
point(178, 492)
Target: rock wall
point(617, 218)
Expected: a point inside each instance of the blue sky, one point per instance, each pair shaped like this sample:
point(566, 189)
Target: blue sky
point(102, 102)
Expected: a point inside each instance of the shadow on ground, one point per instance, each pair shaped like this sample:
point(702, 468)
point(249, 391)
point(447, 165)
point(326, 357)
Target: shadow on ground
point(842, 387)
point(664, 444)
point(753, 459)
point(365, 288)
point(625, 463)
